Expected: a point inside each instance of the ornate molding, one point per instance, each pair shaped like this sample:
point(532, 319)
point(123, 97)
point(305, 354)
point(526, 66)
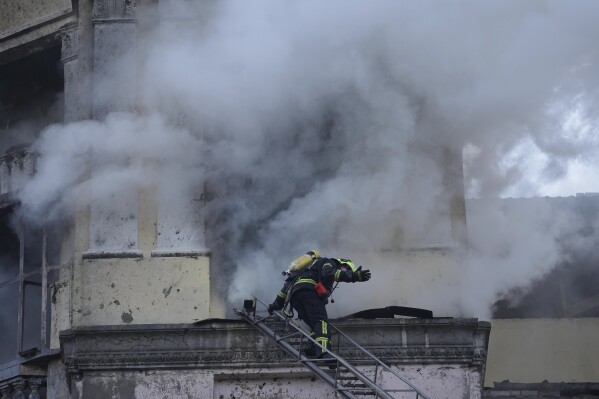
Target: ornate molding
point(233, 344)
point(16, 167)
point(111, 10)
point(70, 43)
point(18, 387)
point(239, 359)
point(13, 388)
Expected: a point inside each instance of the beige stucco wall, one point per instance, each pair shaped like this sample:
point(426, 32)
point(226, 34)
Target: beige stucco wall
point(424, 274)
point(534, 350)
point(136, 287)
point(141, 291)
point(440, 382)
point(415, 278)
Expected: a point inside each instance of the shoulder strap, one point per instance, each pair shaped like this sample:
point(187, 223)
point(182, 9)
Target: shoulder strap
point(323, 262)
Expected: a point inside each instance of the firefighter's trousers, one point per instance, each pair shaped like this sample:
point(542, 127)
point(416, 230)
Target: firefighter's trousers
point(311, 309)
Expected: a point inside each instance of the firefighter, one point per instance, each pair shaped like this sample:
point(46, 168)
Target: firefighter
point(308, 289)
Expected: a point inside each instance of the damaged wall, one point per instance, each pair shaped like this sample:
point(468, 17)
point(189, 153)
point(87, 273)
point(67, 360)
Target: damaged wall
point(139, 257)
point(142, 291)
point(229, 359)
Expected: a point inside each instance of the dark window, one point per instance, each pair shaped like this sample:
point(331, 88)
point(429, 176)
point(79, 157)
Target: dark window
point(25, 275)
point(8, 321)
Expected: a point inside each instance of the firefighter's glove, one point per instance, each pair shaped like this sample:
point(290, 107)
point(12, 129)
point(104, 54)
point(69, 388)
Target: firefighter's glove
point(361, 275)
point(272, 307)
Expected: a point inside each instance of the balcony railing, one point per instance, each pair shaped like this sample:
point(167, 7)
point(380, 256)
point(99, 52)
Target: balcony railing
point(16, 168)
point(24, 387)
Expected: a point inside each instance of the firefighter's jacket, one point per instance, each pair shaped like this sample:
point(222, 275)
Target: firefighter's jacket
point(324, 270)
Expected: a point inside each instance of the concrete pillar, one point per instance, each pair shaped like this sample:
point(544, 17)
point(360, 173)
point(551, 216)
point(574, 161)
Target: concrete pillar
point(16, 168)
point(34, 384)
point(113, 213)
point(17, 175)
point(454, 187)
point(70, 63)
point(18, 387)
point(4, 175)
point(29, 160)
point(115, 61)
point(5, 391)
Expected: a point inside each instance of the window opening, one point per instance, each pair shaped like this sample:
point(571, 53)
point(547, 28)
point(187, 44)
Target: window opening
point(25, 276)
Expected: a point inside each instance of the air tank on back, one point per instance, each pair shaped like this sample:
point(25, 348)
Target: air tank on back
point(304, 260)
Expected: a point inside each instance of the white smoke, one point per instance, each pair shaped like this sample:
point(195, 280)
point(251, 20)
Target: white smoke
point(514, 242)
point(325, 124)
point(124, 150)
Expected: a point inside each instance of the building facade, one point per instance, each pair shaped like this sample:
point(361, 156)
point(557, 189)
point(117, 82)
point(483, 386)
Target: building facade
point(543, 334)
point(99, 303)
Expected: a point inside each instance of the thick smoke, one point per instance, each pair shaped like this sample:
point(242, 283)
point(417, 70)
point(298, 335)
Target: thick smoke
point(516, 242)
point(327, 125)
point(123, 150)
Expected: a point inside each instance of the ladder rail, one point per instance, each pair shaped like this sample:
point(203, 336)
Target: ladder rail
point(291, 350)
point(340, 360)
point(279, 332)
point(377, 360)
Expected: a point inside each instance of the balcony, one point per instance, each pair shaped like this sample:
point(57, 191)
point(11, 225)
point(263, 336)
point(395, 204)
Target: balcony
point(17, 166)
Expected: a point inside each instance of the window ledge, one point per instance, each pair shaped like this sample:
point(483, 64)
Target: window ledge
point(180, 253)
point(112, 254)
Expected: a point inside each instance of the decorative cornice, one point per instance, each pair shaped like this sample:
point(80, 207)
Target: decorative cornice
point(233, 344)
point(113, 10)
point(274, 357)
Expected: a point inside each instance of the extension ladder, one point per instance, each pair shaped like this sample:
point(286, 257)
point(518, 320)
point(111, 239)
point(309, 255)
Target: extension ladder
point(344, 377)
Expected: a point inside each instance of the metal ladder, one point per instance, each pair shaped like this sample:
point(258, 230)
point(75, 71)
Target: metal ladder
point(344, 377)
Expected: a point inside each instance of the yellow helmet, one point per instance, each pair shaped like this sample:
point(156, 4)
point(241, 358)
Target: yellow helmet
point(347, 263)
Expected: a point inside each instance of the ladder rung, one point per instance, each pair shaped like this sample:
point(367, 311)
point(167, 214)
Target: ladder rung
point(356, 385)
point(325, 361)
point(347, 378)
point(400, 390)
point(359, 391)
point(286, 336)
point(344, 377)
point(357, 388)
